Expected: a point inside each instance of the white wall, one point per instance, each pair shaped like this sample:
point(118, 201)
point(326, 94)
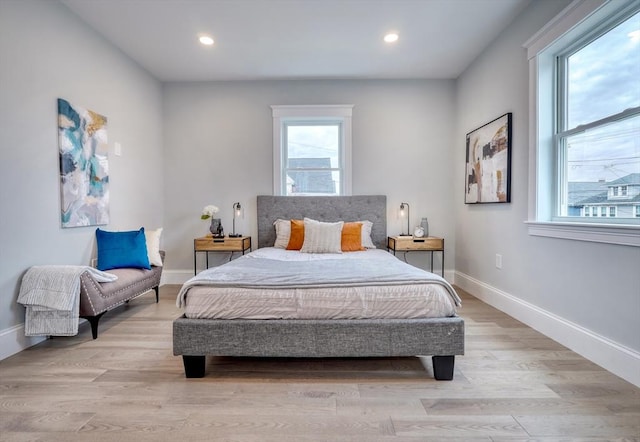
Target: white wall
point(46, 53)
point(590, 289)
point(218, 150)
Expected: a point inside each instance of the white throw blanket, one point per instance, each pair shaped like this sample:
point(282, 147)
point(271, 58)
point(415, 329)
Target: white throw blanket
point(51, 295)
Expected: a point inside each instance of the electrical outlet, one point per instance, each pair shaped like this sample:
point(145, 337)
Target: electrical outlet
point(498, 261)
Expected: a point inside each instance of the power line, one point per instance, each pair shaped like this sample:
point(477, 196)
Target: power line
point(604, 159)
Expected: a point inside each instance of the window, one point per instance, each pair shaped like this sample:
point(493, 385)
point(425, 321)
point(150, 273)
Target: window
point(585, 123)
point(312, 150)
point(637, 209)
point(620, 191)
point(598, 110)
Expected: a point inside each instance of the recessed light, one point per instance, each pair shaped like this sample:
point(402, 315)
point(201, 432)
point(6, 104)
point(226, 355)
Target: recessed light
point(206, 40)
point(391, 37)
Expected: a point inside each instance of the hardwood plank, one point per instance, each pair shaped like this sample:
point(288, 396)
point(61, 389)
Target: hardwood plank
point(510, 406)
point(592, 390)
point(42, 421)
point(329, 427)
point(380, 407)
point(460, 426)
point(581, 426)
point(138, 421)
point(261, 404)
point(516, 390)
point(564, 439)
point(206, 435)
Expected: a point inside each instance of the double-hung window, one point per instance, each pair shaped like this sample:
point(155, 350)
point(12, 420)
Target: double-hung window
point(312, 150)
point(585, 123)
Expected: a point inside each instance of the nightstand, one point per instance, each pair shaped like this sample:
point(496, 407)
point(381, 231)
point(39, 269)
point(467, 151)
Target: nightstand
point(410, 244)
point(229, 245)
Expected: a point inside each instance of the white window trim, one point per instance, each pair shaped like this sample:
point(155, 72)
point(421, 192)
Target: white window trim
point(540, 164)
point(331, 111)
point(622, 235)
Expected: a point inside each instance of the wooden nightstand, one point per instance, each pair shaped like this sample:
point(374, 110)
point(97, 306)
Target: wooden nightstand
point(410, 244)
point(208, 244)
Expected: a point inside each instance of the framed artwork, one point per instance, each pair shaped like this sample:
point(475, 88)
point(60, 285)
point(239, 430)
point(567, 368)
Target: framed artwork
point(84, 166)
point(488, 163)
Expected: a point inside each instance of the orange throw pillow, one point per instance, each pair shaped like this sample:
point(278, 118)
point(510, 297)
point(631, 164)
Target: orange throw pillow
point(352, 237)
point(297, 235)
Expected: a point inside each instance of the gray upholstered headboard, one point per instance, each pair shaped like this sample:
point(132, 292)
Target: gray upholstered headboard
point(322, 208)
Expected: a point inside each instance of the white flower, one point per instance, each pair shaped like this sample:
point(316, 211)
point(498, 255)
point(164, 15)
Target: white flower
point(209, 211)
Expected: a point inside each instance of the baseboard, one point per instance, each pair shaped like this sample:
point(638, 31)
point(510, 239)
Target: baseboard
point(13, 340)
point(618, 359)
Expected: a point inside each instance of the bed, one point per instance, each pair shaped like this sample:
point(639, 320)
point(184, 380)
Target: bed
point(313, 335)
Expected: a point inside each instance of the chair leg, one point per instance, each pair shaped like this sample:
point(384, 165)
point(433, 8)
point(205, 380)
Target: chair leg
point(93, 321)
point(157, 289)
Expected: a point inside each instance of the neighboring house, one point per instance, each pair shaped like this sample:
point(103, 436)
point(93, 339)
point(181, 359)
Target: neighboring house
point(618, 199)
point(580, 191)
point(313, 177)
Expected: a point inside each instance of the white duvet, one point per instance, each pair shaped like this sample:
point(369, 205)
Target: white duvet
point(272, 283)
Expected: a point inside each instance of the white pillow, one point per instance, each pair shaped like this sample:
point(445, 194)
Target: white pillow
point(153, 246)
point(283, 233)
point(367, 242)
point(322, 237)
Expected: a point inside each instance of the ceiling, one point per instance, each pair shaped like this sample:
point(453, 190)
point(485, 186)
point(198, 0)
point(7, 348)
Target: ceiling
point(299, 39)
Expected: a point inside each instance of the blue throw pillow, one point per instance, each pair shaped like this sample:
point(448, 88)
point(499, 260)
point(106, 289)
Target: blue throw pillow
point(117, 250)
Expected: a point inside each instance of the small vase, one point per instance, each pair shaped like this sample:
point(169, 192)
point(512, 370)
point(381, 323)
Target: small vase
point(215, 227)
point(425, 226)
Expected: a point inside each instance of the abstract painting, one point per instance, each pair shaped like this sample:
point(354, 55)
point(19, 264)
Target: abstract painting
point(488, 163)
point(84, 166)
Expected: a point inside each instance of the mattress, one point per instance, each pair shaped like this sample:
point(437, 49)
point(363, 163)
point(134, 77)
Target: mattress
point(272, 283)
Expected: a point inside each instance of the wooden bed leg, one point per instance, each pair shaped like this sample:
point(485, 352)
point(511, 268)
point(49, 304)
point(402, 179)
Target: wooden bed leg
point(193, 366)
point(443, 367)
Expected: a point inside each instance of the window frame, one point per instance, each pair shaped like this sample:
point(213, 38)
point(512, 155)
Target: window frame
point(310, 114)
point(544, 161)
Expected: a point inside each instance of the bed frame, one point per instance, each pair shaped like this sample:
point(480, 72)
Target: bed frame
point(441, 338)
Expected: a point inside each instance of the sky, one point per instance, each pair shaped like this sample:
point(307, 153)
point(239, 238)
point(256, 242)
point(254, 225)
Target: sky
point(314, 142)
point(604, 79)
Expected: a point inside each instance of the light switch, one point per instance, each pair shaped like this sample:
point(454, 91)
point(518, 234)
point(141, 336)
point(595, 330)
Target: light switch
point(117, 149)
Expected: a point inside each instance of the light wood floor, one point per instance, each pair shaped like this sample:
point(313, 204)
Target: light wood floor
point(513, 384)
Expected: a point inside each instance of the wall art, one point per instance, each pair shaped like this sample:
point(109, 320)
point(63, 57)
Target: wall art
point(488, 163)
point(84, 166)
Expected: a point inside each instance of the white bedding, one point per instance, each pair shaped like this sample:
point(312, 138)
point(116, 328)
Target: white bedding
point(218, 293)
